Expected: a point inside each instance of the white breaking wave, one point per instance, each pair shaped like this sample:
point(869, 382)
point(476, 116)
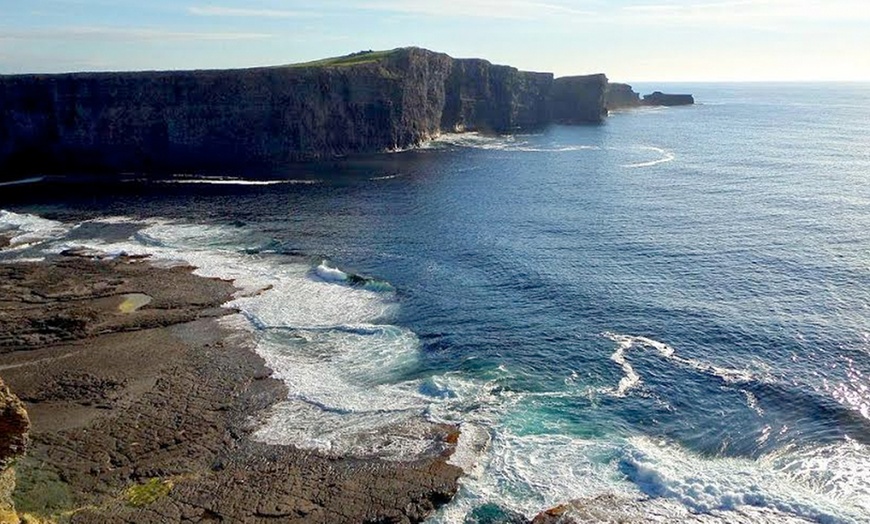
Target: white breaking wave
point(666, 156)
point(385, 177)
point(26, 230)
point(475, 140)
point(624, 343)
point(826, 484)
point(531, 473)
point(23, 181)
point(323, 339)
point(330, 274)
point(235, 181)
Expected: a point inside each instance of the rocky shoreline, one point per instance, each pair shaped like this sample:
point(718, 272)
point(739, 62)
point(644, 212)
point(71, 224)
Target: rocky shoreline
point(142, 407)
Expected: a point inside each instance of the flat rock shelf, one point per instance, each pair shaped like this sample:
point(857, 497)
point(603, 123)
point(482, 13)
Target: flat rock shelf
point(145, 414)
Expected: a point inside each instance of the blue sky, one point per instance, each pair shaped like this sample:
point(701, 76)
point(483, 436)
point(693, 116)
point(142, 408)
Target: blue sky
point(630, 40)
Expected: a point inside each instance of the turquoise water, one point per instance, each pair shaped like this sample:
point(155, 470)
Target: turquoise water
point(673, 304)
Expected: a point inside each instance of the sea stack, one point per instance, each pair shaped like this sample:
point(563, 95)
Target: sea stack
point(663, 99)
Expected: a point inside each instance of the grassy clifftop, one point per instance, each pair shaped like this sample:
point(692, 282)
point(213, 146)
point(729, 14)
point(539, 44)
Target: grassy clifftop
point(361, 57)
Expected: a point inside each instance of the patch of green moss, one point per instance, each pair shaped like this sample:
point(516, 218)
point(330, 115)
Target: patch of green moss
point(148, 492)
point(39, 489)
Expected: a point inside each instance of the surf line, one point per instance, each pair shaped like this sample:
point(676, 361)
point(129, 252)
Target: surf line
point(667, 156)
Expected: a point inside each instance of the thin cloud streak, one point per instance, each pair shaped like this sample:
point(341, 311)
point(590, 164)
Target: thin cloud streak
point(750, 10)
point(241, 12)
point(725, 12)
point(126, 34)
point(505, 9)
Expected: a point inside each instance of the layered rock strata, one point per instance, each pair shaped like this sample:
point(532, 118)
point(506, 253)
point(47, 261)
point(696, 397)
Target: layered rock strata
point(180, 120)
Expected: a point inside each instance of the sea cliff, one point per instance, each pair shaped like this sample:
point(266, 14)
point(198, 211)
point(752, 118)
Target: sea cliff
point(366, 102)
point(623, 96)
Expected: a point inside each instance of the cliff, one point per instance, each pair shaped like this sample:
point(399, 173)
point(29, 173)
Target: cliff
point(180, 120)
point(663, 99)
point(621, 96)
point(579, 99)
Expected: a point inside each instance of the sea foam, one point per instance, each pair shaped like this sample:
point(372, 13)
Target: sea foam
point(328, 341)
point(26, 230)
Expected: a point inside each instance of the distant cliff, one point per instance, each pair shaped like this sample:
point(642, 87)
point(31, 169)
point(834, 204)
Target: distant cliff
point(620, 96)
point(181, 120)
point(623, 96)
point(664, 99)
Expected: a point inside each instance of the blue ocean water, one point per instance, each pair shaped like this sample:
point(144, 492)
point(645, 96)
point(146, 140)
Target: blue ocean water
point(673, 304)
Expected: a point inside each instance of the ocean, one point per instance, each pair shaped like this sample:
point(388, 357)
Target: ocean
point(675, 304)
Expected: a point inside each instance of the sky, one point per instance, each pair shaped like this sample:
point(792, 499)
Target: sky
point(629, 40)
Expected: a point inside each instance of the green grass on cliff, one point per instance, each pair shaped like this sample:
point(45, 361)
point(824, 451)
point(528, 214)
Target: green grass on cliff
point(362, 57)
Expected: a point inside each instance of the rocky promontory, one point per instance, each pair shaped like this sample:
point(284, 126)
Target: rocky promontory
point(623, 96)
point(142, 408)
point(365, 102)
point(664, 99)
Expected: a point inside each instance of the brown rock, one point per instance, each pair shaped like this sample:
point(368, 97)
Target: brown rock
point(164, 392)
point(14, 425)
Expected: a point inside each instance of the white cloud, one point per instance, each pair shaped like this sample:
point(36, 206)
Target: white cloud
point(125, 34)
point(241, 12)
point(678, 12)
point(511, 9)
point(770, 11)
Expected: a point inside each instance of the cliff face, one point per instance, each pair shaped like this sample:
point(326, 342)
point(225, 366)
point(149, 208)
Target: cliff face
point(209, 119)
point(579, 99)
point(620, 96)
point(485, 97)
point(196, 119)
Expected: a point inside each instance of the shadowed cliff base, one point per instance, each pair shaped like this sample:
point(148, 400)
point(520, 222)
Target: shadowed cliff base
point(192, 120)
point(142, 407)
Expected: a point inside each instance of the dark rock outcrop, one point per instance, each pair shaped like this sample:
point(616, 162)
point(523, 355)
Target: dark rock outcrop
point(621, 96)
point(663, 99)
point(14, 425)
point(14, 428)
point(579, 99)
point(180, 120)
point(486, 97)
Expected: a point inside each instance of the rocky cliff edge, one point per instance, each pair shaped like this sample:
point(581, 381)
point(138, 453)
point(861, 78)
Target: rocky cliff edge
point(180, 120)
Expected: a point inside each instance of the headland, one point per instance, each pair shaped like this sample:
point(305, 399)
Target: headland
point(365, 102)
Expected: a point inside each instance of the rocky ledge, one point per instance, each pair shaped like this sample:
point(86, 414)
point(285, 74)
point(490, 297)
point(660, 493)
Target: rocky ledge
point(658, 98)
point(623, 96)
point(142, 408)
